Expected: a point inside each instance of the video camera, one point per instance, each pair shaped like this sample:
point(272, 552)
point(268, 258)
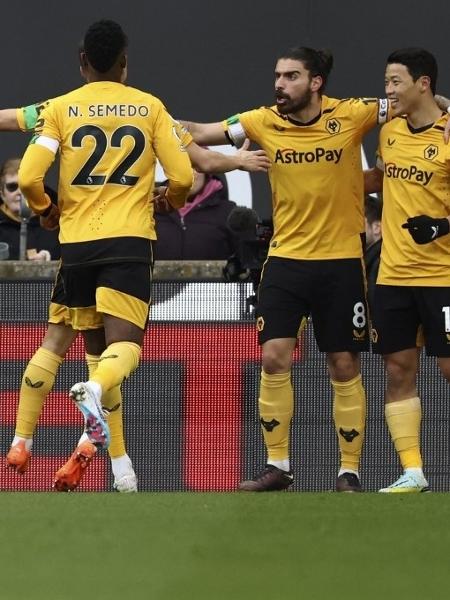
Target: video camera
point(253, 239)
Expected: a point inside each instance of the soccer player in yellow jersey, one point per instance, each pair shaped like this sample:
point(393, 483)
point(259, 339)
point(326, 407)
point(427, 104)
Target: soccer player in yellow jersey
point(412, 294)
point(46, 361)
point(109, 137)
point(314, 265)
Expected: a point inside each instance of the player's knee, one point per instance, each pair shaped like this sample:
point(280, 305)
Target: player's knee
point(444, 366)
point(277, 355)
point(58, 339)
point(343, 366)
point(400, 372)
point(276, 361)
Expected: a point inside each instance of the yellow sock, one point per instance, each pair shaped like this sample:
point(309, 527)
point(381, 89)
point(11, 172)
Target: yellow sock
point(349, 412)
point(403, 419)
point(276, 405)
point(116, 363)
point(112, 401)
point(37, 381)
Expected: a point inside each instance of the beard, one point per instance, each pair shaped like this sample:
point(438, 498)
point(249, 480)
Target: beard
point(293, 106)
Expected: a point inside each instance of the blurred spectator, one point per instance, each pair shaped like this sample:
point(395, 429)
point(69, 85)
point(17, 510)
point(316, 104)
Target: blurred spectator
point(39, 244)
point(372, 208)
point(198, 231)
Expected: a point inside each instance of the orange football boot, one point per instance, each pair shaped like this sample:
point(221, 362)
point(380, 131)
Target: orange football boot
point(70, 474)
point(18, 457)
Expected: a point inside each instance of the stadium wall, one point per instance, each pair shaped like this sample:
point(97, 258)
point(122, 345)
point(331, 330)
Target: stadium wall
point(190, 409)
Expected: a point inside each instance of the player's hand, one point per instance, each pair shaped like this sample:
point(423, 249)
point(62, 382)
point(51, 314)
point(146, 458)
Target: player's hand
point(447, 131)
point(255, 160)
point(160, 201)
point(424, 229)
point(41, 256)
point(51, 221)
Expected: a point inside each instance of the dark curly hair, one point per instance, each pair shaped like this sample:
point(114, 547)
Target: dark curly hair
point(103, 43)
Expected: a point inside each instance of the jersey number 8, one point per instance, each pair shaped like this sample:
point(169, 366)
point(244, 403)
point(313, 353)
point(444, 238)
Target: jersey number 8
point(359, 315)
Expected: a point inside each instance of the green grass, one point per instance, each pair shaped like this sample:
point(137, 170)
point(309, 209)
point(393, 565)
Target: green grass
point(184, 546)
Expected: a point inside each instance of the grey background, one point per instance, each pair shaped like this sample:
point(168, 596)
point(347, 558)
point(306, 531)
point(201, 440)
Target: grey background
point(208, 60)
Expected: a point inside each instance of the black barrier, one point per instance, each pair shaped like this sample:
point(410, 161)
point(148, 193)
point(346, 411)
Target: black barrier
point(190, 409)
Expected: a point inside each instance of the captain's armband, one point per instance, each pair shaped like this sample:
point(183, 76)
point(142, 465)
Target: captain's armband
point(234, 131)
point(383, 110)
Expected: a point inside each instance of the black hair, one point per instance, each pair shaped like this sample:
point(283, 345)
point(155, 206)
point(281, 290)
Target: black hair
point(419, 62)
point(103, 43)
point(373, 208)
point(317, 62)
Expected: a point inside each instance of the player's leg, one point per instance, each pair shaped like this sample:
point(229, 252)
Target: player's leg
point(39, 377)
point(433, 306)
point(70, 474)
point(279, 315)
point(349, 414)
point(403, 417)
point(124, 476)
point(37, 381)
point(341, 329)
point(122, 297)
point(396, 337)
point(276, 402)
point(116, 363)
point(435, 312)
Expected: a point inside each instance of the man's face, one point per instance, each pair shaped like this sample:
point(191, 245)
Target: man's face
point(403, 92)
point(294, 86)
point(11, 194)
point(373, 231)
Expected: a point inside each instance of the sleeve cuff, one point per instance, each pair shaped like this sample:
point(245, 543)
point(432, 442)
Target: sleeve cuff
point(46, 212)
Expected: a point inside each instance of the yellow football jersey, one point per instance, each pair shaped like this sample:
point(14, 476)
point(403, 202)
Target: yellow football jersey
point(28, 117)
point(416, 166)
point(109, 136)
point(316, 175)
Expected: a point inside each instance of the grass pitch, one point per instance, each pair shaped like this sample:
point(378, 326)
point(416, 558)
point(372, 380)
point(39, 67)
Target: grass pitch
point(182, 546)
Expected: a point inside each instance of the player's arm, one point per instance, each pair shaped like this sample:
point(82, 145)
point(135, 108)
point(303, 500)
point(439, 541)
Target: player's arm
point(373, 180)
point(234, 130)
point(207, 134)
point(173, 158)
point(8, 120)
point(21, 119)
point(35, 163)
point(208, 161)
point(444, 104)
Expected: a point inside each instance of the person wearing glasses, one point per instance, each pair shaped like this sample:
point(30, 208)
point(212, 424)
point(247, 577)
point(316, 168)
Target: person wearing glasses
point(17, 220)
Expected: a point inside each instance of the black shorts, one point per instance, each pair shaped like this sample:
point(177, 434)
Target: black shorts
point(82, 294)
point(333, 292)
point(407, 317)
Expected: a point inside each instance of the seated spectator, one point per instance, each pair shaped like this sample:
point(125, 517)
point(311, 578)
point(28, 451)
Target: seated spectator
point(372, 209)
point(41, 245)
point(198, 231)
